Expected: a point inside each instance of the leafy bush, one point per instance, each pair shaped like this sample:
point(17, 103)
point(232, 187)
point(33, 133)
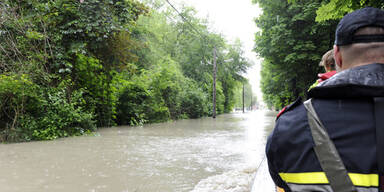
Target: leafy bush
point(96, 82)
point(166, 86)
point(136, 104)
point(61, 117)
point(32, 112)
point(159, 95)
point(195, 102)
point(18, 95)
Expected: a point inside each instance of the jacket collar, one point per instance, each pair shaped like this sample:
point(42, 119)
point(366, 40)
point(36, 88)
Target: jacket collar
point(361, 81)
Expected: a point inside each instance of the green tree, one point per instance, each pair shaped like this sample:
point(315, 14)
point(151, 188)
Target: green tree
point(67, 66)
point(66, 48)
point(291, 43)
point(336, 9)
point(190, 46)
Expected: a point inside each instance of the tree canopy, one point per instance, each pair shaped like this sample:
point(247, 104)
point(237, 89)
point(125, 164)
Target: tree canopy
point(294, 35)
point(336, 9)
point(291, 44)
point(68, 66)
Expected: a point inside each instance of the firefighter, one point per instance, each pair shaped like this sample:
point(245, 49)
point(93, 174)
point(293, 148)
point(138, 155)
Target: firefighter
point(334, 141)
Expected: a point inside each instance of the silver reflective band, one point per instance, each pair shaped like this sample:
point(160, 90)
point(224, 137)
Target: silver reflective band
point(327, 154)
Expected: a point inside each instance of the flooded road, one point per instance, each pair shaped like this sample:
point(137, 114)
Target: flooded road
point(199, 155)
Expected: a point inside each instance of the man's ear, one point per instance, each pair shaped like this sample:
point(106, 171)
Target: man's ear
point(338, 57)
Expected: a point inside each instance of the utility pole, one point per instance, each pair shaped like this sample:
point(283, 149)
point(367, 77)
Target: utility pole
point(214, 83)
point(243, 98)
point(251, 99)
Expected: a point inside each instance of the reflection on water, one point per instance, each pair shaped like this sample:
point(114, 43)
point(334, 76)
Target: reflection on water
point(198, 155)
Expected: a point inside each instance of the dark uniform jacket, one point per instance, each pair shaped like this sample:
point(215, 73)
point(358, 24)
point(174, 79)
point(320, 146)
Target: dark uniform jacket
point(344, 104)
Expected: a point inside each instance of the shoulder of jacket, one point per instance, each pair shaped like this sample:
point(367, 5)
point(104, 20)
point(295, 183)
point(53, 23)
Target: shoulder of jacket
point(289, 107)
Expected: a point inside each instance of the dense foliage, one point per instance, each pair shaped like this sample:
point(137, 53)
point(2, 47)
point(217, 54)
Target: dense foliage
point(68, 66)
point(292, 44)
point(336, 9)
point(174, 67)
point(294, 35)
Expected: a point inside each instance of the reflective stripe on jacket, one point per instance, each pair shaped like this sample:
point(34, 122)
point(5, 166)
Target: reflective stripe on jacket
point(344, 104)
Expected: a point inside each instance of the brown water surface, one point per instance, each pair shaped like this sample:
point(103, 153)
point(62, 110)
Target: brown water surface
point(197, 155)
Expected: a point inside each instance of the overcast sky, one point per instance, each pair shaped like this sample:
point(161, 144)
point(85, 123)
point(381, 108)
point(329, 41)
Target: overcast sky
point(234, 19)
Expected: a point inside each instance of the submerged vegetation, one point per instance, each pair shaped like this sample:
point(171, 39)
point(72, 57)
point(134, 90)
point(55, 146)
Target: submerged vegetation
point(69, 66)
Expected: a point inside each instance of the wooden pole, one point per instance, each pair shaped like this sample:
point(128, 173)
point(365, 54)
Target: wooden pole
point(243, 98)
point(214, 83)
point(251, 100)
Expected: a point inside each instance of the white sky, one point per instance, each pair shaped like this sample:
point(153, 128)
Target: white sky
point(234, 19)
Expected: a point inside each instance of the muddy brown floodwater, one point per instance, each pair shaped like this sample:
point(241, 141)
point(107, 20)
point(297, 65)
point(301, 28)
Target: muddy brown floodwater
point(199, 155)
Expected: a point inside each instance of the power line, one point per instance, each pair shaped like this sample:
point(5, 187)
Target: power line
point(214, 58)
point(185, 20)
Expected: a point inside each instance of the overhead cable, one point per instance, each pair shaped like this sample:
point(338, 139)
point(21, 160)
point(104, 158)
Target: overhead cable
point(184, 19)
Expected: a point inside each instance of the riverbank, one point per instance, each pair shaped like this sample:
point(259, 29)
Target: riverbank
point(65, 70)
